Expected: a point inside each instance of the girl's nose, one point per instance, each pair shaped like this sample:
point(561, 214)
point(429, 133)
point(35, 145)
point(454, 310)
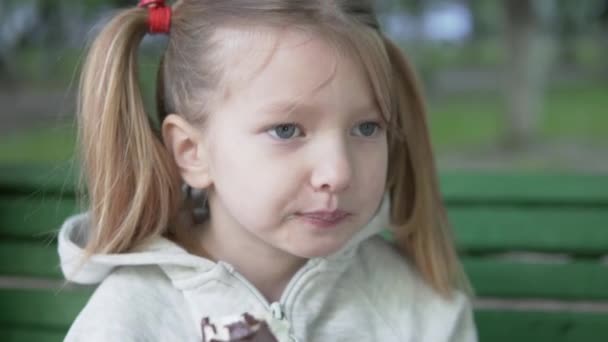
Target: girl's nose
point(332, 171)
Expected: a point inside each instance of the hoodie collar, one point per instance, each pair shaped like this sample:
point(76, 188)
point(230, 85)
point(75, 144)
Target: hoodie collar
point(165, 253)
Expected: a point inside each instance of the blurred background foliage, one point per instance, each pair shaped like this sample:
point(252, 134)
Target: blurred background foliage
point(516, 84)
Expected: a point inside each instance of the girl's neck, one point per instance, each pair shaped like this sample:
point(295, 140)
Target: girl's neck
point(268, 269)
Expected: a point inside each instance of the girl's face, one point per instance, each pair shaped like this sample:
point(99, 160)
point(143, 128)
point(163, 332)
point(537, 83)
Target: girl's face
point(297, 148)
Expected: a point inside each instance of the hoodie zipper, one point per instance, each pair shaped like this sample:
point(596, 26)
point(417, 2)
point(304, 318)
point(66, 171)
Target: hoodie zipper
point(277, 309)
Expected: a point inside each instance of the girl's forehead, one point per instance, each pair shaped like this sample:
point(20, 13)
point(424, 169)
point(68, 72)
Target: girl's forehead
point(289, 63)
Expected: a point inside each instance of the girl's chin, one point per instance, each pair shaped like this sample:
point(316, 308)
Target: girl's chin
point(317, 251)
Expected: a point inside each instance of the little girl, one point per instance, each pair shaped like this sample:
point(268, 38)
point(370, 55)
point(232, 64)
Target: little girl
point(292, 133)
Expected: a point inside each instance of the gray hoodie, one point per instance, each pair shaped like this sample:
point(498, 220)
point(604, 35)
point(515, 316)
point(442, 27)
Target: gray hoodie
point(160, 292)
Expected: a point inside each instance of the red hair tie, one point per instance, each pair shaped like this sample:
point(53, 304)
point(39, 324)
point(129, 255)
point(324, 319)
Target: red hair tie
point(159, 15)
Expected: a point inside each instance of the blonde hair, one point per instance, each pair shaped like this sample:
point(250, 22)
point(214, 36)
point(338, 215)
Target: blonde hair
point(134, 188)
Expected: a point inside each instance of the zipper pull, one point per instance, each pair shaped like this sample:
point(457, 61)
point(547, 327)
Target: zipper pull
point(277, 311)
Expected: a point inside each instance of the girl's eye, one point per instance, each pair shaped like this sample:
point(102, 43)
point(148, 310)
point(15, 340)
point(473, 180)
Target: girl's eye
point(367, 129)
point(285, 131)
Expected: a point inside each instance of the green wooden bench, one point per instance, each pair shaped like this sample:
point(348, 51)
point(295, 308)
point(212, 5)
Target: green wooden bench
point(534, 246)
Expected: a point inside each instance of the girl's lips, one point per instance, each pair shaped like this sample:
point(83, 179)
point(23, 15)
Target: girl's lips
point(324, 219)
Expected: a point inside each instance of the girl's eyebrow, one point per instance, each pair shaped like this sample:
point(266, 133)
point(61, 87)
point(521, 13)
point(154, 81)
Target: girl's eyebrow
point(295, 108)
point(287, 107)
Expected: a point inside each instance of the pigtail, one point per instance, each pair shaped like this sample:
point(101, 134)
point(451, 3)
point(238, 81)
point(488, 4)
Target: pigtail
point(132, 182)
point(417, 213)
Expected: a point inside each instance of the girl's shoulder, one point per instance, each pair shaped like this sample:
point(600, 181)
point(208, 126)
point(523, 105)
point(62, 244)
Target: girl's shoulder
point(387, 271)
point(392, 285)
point(132, 303)
point(392, 281)
point(380, 259)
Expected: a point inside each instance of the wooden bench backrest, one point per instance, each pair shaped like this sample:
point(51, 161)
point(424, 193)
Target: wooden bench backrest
point(533, 245)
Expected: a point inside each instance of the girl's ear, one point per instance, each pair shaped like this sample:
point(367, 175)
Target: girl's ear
point(187, 147)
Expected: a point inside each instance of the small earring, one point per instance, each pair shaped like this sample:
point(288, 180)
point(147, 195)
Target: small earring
point(196, 200)
point(200, 210)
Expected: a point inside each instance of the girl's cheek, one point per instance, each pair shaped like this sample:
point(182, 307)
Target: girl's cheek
point(375, 165)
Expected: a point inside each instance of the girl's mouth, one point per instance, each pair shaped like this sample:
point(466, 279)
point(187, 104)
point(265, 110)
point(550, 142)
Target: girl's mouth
point(324, 219)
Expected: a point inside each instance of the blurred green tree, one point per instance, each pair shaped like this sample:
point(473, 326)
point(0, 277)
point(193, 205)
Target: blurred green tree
point(45, 25)
point(530, 57)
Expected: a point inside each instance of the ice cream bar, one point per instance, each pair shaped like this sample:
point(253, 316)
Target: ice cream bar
point(243, 328)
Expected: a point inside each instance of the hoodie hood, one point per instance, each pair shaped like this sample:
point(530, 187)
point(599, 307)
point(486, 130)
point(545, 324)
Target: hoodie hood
point(165, 253)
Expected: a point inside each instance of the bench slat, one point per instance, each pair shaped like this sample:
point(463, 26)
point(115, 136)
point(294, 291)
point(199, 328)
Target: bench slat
point(53, 178)
point(498, 229)
point(35, 216)
point(477, 229)
point(506, 186)
point(25, 258)
point(491, 277)
point(540, 326)
point(40, 308)
point(578, 280)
